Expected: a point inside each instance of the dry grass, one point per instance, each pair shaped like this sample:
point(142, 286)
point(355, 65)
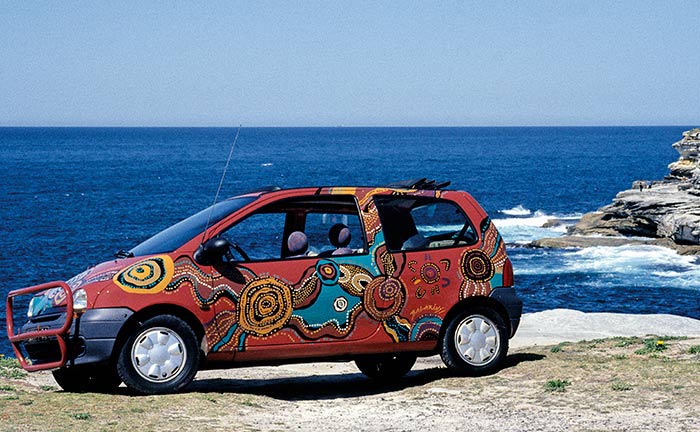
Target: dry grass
point(607, 384)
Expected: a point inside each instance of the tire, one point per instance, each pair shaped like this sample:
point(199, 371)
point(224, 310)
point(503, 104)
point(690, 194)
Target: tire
point(386, 368)
point(475, 342)
point(161, 356)
point(92, 379)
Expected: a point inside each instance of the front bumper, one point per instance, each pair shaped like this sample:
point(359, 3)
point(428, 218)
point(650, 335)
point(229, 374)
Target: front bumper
point(53, 340)
point(89, 340)
point(507, 297)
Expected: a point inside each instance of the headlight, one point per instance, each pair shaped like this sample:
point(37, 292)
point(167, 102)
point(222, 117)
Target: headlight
point(32, 306)
point(80, 300)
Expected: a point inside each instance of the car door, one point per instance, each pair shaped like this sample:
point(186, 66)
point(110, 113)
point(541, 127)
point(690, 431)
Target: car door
point(428, 237)
point(288, 285)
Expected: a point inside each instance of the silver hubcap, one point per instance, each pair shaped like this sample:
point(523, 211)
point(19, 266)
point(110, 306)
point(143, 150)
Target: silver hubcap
point(158, 354)
point(477, 340)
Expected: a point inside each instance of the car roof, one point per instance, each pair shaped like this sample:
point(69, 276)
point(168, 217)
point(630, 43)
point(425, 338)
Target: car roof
point(405, 186)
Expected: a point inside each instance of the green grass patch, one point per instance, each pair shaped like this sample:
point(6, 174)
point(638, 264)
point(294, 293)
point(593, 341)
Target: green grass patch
point(621, 386)
point(7, 388)
point(249, 402)
point(652, 346)
point(695, 349)
point(80, 416)
point(10, 368)
point(625, 342)
point(556, 385)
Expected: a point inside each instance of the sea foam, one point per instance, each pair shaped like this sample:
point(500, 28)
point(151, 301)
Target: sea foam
point(611, 266)
point(518, 210)
point(523, 230)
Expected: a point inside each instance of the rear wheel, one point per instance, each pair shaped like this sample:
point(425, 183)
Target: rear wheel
point(161, 356)
point(82, 379)
point(475, 342)
point(386, 368)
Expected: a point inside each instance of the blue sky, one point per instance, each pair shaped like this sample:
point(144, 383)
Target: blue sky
point(453, 63)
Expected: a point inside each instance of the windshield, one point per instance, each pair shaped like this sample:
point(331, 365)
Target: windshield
point(175, 236)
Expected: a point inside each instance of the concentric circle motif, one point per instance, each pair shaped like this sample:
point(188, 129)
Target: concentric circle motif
point(265, 306)
point(340, 304)
point(328, 272)
point(384, 297)
point(430, 273)
point(477, 266)
point(146, 277)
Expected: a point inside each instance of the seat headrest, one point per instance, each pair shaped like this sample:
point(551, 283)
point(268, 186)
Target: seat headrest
point(297, 243)
point(339, 235)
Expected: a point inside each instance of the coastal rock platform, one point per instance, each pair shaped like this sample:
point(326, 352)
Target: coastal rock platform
point(660, 212)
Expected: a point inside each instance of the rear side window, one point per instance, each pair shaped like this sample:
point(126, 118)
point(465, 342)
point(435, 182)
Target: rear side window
point(416, 223)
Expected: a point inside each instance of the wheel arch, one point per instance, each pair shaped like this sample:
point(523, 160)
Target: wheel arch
point(472, 302)
point(146, 313)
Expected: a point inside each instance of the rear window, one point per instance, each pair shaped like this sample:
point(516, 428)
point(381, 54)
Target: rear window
point(417, 223)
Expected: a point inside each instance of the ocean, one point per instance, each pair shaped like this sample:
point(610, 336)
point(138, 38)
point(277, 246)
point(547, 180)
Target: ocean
point(71, 197)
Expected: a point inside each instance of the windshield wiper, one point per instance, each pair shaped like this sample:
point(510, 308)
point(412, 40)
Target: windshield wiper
point(121, 253)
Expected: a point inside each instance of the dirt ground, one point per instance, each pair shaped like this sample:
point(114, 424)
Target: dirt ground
point(612, 384)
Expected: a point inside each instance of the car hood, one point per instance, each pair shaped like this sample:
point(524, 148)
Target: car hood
point(92, 279)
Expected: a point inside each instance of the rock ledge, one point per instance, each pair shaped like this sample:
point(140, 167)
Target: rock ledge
point(667, 212)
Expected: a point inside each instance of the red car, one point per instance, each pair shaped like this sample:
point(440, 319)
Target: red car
point(378, 275)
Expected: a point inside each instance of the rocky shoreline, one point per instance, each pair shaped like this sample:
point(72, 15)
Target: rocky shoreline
point(661, 212)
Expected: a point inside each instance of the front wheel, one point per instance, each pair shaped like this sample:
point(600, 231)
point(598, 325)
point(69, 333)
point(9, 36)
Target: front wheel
point(161, 356)
point(475, 342)
point(386, 368)
point(93, 379)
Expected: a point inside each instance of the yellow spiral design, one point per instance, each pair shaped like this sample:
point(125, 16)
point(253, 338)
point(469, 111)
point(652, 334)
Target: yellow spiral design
point(265, 306)
point(146, 277)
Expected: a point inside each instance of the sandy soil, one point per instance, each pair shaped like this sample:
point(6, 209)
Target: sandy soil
point(611, 386)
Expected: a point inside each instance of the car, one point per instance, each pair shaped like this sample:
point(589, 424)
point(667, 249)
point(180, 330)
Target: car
point(380, 275)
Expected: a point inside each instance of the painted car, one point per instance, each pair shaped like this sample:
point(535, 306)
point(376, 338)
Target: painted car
point(378, 275)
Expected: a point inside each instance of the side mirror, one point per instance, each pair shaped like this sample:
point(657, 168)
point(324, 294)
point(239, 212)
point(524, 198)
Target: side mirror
point(212, 251)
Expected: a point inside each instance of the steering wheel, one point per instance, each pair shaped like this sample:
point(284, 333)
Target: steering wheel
point(240, 251)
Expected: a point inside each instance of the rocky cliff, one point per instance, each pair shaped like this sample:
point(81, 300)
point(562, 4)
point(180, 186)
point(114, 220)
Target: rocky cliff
point(666, 209)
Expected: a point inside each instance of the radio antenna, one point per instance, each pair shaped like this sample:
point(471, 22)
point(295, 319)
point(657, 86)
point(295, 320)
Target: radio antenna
point(221, 182)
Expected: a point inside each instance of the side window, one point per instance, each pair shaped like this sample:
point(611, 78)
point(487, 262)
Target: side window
point(298, 227)
point(259, 235)
point(334, 233)
point(413, 223)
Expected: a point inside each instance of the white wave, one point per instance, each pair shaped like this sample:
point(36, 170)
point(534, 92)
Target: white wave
point(518, 210)
point(610, 266)
point(523, 230)
point(267, 164)
point(629, 258)
point(668, 274)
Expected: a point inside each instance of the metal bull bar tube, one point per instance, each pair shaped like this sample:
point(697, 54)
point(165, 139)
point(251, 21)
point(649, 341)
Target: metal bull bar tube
point(58, 333)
